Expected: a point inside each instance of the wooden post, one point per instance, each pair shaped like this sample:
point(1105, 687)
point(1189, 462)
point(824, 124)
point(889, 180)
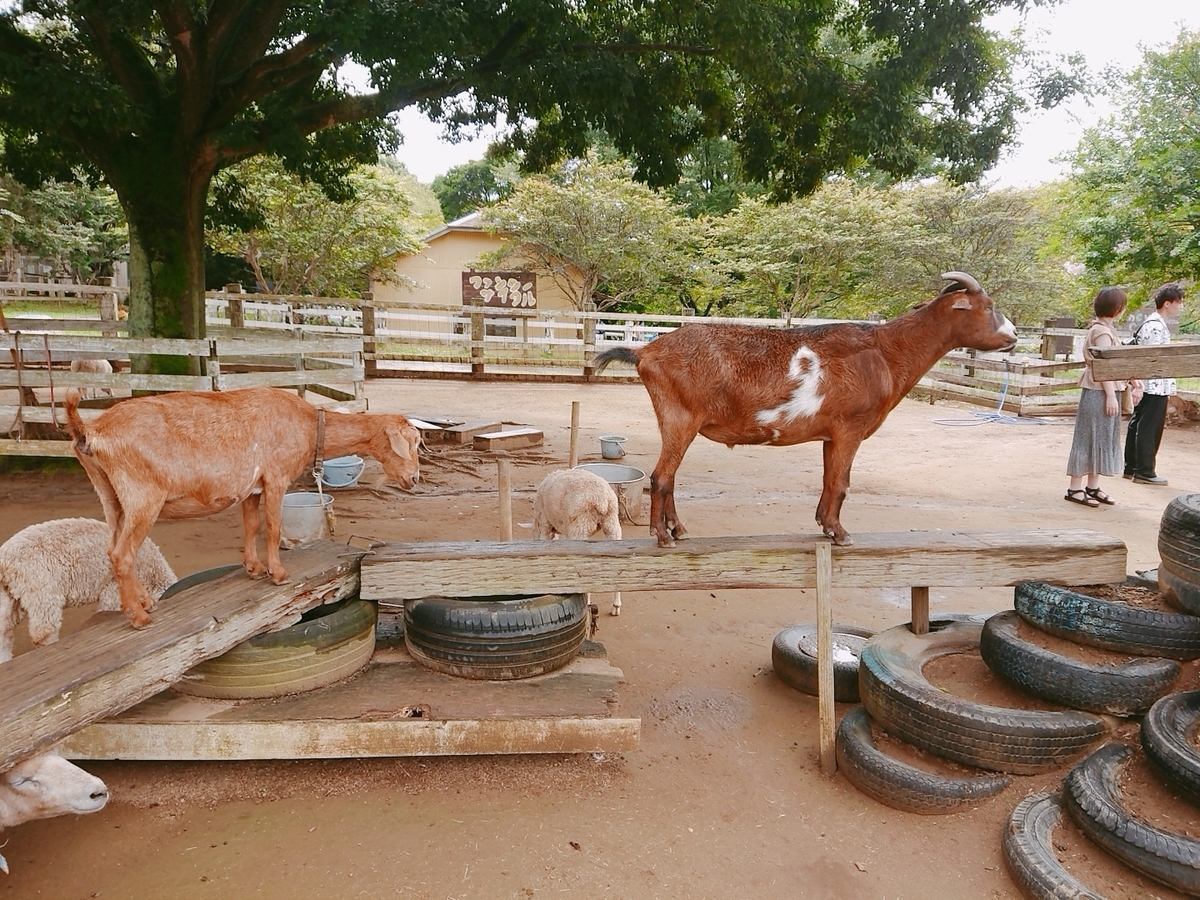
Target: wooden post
point(504, 486)
point(573, 458)
point(477, 333)
point(237, 313)
point(108, 307)
point(589, 341)
point(368, 332)
point(825, 716)
point(524, 337)
point(920, 610)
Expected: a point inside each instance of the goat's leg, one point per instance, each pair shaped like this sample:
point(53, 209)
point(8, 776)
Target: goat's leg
point(135, 599)
point(838, 456)
point(250, 525)
point(664, 522)
point(272, 502)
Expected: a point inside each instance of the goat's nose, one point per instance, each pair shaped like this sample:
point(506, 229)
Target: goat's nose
point(97, 795)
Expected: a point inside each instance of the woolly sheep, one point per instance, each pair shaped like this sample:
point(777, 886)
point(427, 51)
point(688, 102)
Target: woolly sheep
point(60, 563)
point(47, 785)
point(96, 367)
point(575, 503)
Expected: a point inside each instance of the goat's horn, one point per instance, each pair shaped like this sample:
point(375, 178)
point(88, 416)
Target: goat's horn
point(963, 278)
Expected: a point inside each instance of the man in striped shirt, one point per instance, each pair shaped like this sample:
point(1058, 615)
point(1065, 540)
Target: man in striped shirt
point(1149, 416)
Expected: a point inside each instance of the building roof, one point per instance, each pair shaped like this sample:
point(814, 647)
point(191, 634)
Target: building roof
point(470, 222)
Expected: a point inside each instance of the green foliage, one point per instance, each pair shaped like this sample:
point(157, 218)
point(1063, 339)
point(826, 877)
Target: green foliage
point(309, 244)
point(76, 226)
point(157, 98)
point(601, 236)
point(1135, 183)
point(474, 185)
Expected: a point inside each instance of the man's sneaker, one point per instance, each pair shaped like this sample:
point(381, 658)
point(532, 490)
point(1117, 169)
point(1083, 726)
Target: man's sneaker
point(1153, 479)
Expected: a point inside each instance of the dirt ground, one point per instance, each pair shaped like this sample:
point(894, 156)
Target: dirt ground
point(722, 799)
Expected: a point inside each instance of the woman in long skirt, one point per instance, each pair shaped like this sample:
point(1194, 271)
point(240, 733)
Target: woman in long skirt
point(1096, 447)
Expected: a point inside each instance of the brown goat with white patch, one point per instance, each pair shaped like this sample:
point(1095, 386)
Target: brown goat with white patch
point(834, 383)
point(177, 456)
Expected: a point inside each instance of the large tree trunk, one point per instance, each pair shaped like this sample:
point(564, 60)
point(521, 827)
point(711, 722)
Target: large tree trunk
point(165, 210)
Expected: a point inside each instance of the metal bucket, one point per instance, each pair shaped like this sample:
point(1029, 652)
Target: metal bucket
point(307, 516)
point(628, 482)
point(341, 471)
point(610, 446)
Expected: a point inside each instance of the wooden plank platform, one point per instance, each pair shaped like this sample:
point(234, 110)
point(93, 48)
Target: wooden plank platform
point(876, 559)
point(396, 707)
point(515, 439)
point(53, 691)
point(465, 433)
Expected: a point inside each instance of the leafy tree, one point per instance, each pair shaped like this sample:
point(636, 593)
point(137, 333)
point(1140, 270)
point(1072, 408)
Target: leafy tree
point(805, 257)
point(474, 185)
point(78, 227)
point(598, 234)
point(713, 181)
point(306, 243)
point(1135, 182)
point(157, 98)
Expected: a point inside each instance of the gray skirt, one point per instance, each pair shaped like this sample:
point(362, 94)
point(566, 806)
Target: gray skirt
point(1096, 447)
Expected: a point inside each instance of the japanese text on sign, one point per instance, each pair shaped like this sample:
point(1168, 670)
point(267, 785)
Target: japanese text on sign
point(513, 289)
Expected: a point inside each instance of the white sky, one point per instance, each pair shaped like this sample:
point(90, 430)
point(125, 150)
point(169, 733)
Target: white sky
point(1107, 32)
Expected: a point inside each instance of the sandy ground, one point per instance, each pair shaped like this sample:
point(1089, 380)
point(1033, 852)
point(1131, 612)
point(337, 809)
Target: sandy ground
point(723, 798)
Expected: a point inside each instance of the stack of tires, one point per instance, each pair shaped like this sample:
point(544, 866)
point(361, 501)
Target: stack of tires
point(1001, 743)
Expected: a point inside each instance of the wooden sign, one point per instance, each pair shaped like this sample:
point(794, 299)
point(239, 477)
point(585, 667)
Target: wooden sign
point(517, 290)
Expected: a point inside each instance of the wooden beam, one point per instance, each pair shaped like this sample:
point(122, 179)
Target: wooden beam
point(52, 691)
point(826, 722)
point(516, 439)
point(877, 559)
point(1161, 361)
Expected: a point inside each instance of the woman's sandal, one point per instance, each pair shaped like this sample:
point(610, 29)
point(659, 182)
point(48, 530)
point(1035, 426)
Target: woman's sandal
point(1097, 494)
point(1082, 497)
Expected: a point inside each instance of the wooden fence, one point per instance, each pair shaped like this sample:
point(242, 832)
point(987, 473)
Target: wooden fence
point(311, 342)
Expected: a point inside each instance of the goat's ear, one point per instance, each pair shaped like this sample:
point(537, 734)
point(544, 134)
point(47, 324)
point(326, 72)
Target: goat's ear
point(398, 442)
point(963, 302)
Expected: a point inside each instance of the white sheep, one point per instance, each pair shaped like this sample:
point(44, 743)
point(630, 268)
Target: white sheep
point(47, 785)
point(60, 563)
point(95, 367)
point(575, 503)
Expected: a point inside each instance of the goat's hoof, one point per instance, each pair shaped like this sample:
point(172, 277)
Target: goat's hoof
point(844, 541)
point(279, 578)
point(616, 611)
point(140, 622)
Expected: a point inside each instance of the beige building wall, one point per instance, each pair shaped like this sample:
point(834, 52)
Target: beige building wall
point(437, 269)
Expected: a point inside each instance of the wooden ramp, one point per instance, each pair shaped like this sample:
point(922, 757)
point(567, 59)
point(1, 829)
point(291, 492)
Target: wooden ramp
point(396, 707)
point(55, 690)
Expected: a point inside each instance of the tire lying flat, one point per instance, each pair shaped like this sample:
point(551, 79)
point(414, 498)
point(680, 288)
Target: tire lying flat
point(794, 659)
point(899, 785)
point(1125, 690)
point(1030, 855)
point(1093, 799)
point(1168, 738)
point(1106, 624)
point(901, 699)
point(329, 644)
point(1179, 552)
point(496, 638)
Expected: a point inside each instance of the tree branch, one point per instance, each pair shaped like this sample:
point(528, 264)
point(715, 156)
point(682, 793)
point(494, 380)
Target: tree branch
point(124, 59)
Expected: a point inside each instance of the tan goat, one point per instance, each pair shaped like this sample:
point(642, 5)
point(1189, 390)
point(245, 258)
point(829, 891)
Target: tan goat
point(177, 456)
point(576, 503)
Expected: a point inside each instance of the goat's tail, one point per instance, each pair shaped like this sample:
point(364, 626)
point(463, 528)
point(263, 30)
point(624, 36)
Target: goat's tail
point(616, 354)
point(75, 427)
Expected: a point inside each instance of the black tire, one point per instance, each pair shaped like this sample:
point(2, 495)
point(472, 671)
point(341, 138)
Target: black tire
point(794, 659)
point(1125, 690)
point(898, 696)
point(1107, 624)
point(1030, 854)
point(496, 638)
point(1168, 738)
point(328, 644)
point(1093, 798)
point(1179, 552)
point(899, 785)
